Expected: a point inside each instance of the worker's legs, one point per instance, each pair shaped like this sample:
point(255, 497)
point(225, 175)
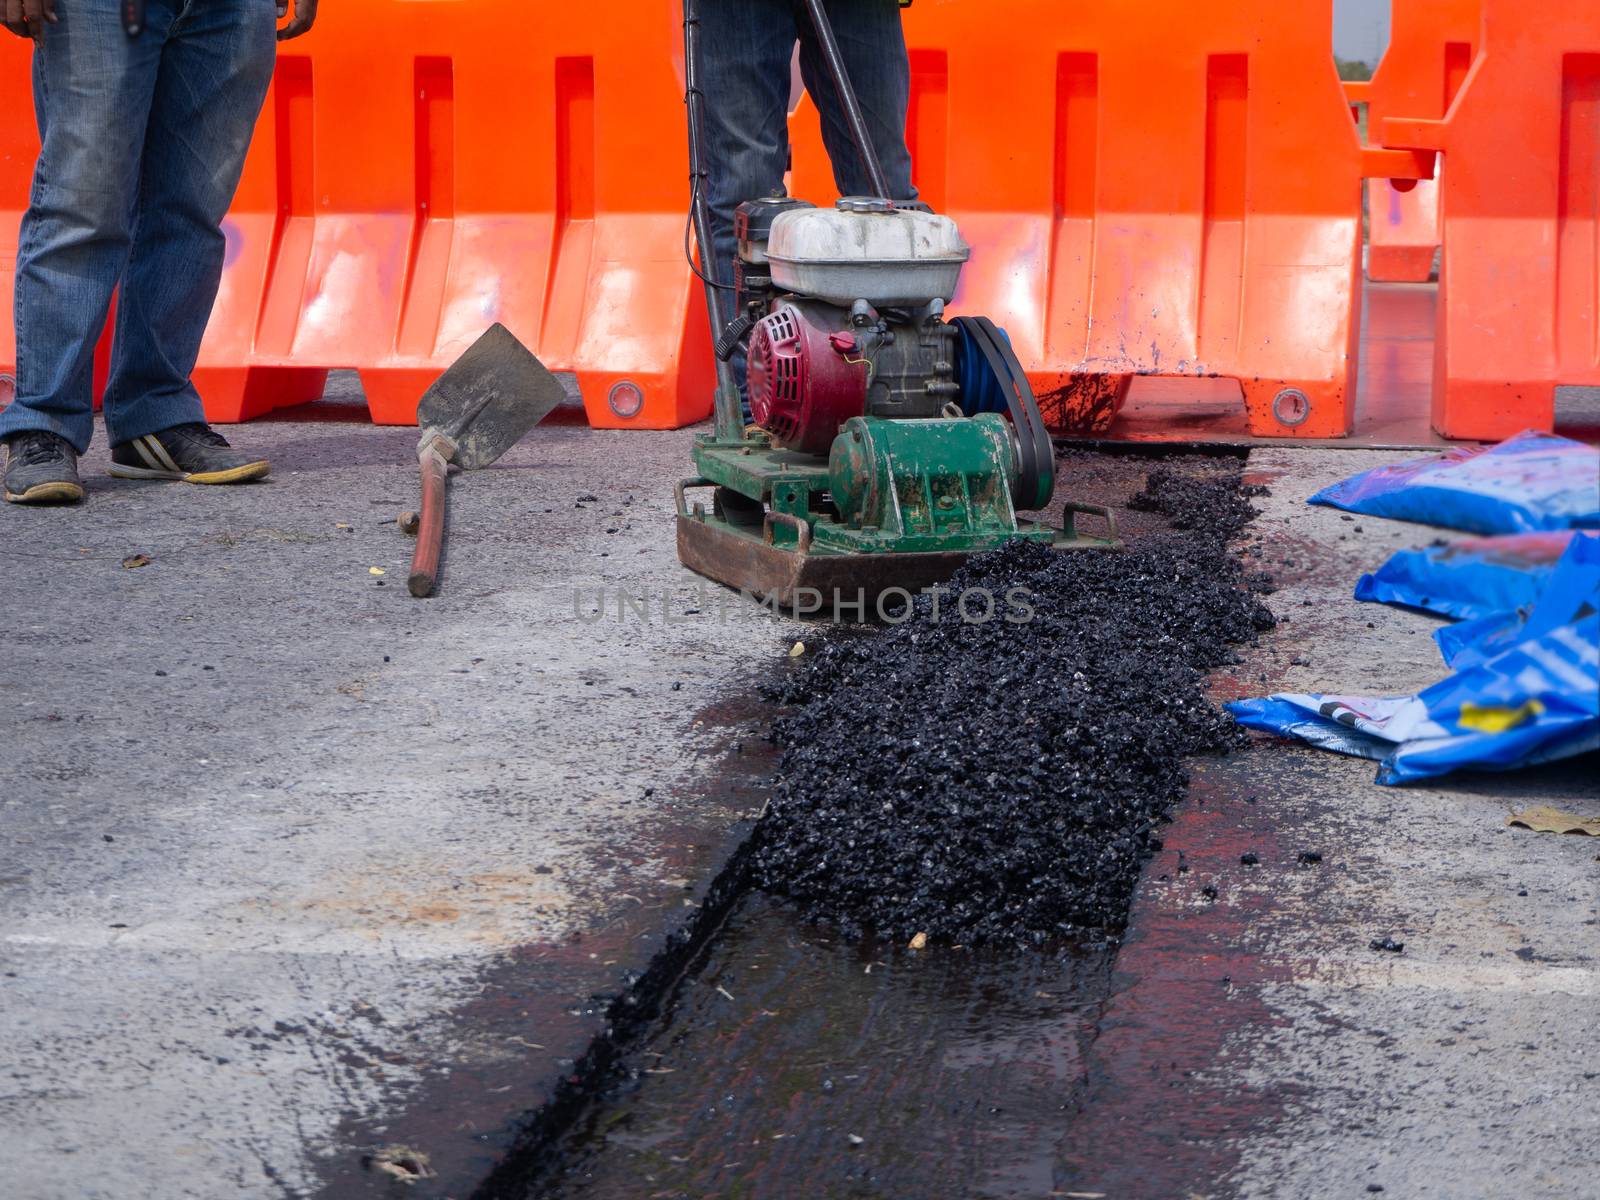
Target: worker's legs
point(873, 46)
point(93, 87)
point(215, 69)
point(746, 50)
point(746, 47)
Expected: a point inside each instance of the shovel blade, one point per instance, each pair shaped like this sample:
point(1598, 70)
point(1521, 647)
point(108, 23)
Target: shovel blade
point(489, 398)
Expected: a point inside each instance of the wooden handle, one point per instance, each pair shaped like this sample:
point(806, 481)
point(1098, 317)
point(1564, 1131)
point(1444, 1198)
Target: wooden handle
point(430, 534)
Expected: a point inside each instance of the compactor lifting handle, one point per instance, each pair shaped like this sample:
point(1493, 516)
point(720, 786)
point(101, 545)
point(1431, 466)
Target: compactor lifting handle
point(729, 416)
point(728, 407)
point(847, 99)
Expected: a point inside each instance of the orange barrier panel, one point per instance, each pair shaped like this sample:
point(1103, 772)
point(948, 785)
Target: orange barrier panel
point(19, 146)
point(1519, 287)
point(1430, 50)
point(1180, 203)
point(424, 168)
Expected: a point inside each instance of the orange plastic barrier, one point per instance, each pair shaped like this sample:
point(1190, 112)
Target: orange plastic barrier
point(19, 146)
point(427, 167)
point(1519, 287)
point(424, 168)
point(1151, 188)
point(1430, 50)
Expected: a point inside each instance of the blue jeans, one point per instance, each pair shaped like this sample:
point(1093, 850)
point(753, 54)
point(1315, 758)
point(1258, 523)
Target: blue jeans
point(746, 47)
point(143, 141)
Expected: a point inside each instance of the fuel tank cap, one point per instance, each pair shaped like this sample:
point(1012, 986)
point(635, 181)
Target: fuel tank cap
point(864, 204)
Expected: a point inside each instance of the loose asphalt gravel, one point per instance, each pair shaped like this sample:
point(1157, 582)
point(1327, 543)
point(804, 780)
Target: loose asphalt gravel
point(1003, 780)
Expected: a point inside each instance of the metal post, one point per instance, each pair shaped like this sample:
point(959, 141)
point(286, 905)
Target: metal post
point(847, 97)
point(729, 416)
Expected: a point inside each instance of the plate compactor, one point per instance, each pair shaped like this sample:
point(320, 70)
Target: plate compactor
point(888, 443)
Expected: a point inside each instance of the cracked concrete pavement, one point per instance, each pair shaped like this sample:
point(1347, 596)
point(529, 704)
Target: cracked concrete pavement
point(292, 866)
point(1257, 1042)
point(269, 826)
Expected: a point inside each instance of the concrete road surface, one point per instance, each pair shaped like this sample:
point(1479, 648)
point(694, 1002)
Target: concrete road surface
point(281, 846)
point(1257, 1045)
point(294, 868)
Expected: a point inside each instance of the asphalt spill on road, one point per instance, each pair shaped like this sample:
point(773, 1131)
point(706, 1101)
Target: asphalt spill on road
point(796, 1064)
point(1004, 780)
point(901, 1005)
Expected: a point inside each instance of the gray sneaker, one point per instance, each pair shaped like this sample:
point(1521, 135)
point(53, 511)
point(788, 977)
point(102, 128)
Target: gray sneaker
point(41, 468)
point(195, 453)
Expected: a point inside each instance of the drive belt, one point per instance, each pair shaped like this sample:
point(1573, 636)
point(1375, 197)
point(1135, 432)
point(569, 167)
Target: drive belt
point(1036, 454)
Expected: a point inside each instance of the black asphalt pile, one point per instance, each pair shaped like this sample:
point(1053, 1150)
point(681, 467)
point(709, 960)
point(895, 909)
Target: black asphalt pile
point(1003, 781)
point(1217, 508)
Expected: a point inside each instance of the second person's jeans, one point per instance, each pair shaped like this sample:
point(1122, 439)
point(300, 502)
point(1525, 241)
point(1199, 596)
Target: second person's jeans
point(143, 141)
point(746, 47)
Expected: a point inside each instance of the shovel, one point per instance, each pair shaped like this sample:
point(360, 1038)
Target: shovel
point(474, 413)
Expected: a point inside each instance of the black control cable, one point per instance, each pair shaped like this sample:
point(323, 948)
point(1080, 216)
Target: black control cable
point(728, 406)
point(699, 216)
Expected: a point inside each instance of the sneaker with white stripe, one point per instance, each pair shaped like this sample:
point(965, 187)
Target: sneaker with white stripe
point(193, 453)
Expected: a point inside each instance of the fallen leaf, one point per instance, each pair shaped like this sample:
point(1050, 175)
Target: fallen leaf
point(796, 650)
point(376, 571)
point(919, 942)
point(1544, 819)
point(136, 560)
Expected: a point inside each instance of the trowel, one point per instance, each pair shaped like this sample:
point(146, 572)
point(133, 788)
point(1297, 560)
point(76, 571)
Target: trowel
point(473, 413)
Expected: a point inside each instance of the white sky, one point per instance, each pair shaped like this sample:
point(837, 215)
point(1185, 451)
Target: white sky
point(1360, 28)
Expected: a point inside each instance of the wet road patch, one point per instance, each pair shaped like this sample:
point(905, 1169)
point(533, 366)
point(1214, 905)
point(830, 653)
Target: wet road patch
point(984, 791)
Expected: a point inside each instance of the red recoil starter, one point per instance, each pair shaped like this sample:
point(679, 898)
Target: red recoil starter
point(805, 381)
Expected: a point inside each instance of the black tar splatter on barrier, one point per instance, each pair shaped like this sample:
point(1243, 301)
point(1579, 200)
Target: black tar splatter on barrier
point(1003, 782)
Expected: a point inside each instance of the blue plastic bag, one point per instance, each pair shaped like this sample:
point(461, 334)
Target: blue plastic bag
point(1529, 697)
point(1526, 484)
point(1572, 591)
point(1469, 642)
point(1573, 581)
point(1534, 703)
point(1469, 579)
